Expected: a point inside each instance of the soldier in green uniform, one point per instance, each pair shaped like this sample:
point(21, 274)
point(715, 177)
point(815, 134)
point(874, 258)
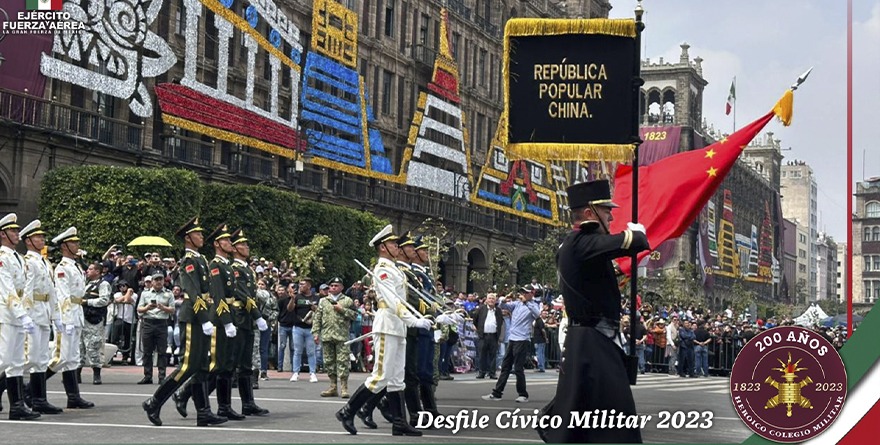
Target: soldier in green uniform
point(222, 285)
point(330, 327)
point(245, 315)
point(195, 332)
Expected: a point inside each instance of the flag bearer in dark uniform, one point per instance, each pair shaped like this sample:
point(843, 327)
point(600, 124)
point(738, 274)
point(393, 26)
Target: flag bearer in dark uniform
point(245, 314)
point(593, 374)
point(195, 332)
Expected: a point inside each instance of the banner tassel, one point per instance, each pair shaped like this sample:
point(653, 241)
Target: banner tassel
point(785, 108)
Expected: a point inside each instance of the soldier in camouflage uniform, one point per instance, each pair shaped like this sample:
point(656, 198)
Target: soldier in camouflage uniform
point(245, 314)
point(95, 301)
point(330, 327)
point(268, 305)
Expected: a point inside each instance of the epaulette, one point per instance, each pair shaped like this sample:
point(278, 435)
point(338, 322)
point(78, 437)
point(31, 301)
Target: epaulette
point(189, 254)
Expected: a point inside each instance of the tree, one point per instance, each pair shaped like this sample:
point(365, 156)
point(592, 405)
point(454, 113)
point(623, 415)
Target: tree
point(307, 259)
point(498, 273)
point(741, 298)
point(541, 261)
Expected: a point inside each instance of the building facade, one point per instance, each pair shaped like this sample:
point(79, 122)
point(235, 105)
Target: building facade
point(332, 100)
point(800, 202)
point(866, 244)
point(826, 265)
point(842, 266)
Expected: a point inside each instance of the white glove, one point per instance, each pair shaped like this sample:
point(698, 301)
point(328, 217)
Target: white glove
point(27, 324)
point(423, 323)
point(69, 329)
point(230, 330)
point(635, 227)
point(261, 324)
point(208, 328)
point(58, 326)
point(449, 319)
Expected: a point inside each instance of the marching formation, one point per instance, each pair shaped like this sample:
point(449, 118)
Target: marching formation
point(52, 322)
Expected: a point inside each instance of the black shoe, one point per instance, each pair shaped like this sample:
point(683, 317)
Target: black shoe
point(96, 376)
point(179, 403)
point(399, 427)
point(17, 408)
point(481, 376)
point(39, 402)
point(71, 387)
point(147, 380)
point(152, 408)
point(492, 377)
point(204, 416)
point(367, 419)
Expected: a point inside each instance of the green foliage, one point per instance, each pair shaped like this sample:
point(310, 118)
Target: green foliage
point(741, 297)
point(307, 259)
point(350, 231)
point(541, 261)
point(498, 274)
point(113, 205)
point(268, 216)
point(832, 306)
point(434, 234)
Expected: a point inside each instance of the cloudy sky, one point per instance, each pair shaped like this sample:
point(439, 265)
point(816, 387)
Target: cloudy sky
point(767, 44)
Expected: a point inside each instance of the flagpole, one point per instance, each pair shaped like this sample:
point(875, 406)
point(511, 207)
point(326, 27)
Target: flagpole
point(632, 361)
point(734, 104)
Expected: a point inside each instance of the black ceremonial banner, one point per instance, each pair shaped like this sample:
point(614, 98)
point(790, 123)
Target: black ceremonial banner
point(569, 89)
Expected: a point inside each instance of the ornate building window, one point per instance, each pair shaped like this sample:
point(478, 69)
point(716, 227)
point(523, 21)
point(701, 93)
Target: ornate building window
point(872, 209)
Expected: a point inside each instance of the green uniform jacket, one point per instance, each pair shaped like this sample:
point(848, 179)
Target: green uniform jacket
point(223, 290)
point(193, 280)
point(330, 325)
point(245, 310)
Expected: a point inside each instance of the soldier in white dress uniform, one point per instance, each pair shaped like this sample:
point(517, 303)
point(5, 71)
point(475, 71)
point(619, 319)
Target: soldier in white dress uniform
point(39, 295)
point(70, 287)
point(15, 322)
point(389, 329)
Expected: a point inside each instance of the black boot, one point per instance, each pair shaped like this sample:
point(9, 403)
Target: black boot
point(429, 403)
point(17, 408)
point(366, 412)
point(181, 397)
point(411, 396)
point(71, 387)
point(246, 392)
point(161, 375)
point(224, 399)
point(383, 407)
point(204, 416)
point(399, 426)
point(39, 402)
point(2, 388)
point(355, 403)
point(154, 404)
point(152, 407)
point(28, 392)
point(96, 373)
point(79, 375)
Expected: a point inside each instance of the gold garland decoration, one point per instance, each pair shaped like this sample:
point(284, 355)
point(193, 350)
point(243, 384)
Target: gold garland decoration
point(552, 151)
point(544, 27)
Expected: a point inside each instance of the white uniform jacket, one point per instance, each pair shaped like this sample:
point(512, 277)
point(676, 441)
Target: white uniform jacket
point(39, 290)
point(392, 317)
point(12, 281)
point(70, 286)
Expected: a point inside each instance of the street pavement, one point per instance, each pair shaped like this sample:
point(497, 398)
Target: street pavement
point(300, 415)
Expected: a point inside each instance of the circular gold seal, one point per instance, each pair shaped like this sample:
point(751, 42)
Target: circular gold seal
point(788, 384)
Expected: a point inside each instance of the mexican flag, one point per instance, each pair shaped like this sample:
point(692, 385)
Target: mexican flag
point(44, 5)
point(731, 97)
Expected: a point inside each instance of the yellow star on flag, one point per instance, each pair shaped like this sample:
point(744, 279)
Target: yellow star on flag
point(723, 140)
point(710, 153)
point(712, 172)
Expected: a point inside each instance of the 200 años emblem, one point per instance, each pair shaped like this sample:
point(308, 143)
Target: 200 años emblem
point(788, 384)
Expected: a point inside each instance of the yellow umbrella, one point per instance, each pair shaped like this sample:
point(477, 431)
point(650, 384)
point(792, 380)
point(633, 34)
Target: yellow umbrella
point(149, 241)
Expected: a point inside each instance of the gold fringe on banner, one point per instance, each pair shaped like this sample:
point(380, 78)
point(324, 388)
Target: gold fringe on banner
point(544, 27)
point(784, 109)
point(571, 152)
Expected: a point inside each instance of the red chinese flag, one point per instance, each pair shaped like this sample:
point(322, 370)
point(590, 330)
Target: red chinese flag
point(672, 191)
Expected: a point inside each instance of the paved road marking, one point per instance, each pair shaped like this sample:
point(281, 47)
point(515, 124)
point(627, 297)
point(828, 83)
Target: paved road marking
point(455, 438)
